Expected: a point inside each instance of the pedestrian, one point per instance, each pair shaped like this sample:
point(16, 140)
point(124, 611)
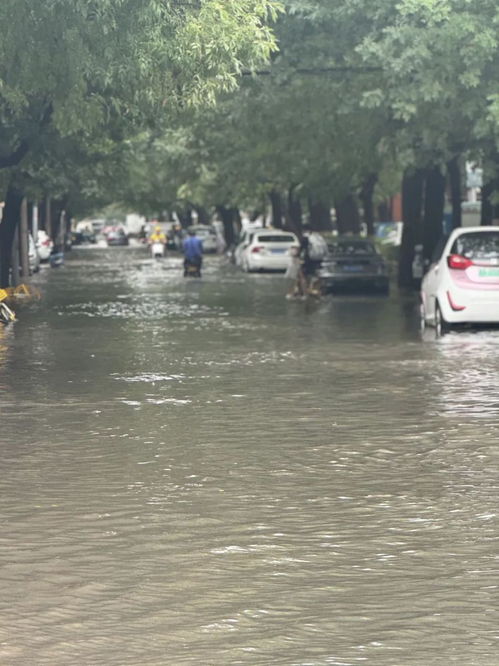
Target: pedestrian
point(295, 275)
point(313, 249)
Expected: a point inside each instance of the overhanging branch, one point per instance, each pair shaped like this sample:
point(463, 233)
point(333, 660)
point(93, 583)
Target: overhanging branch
point(24, 146)
point(317, 71)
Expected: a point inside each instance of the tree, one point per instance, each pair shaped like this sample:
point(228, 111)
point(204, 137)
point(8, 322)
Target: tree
point(108, 70)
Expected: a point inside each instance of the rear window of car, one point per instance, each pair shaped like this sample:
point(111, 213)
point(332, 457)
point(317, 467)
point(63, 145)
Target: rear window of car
point(477, 245)
point(276, 239)
point(351, 249)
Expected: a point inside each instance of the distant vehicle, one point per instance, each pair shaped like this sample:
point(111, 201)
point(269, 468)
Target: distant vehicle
point(462, 282)
point(265, 250)
point(354, 263)
point(116, 236)
point(44, 245)
point(33, 256)
point(84, 237)
point(208, 236)
point(97, 226)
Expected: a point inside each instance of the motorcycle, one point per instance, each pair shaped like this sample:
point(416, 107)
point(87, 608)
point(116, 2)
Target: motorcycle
point(56, 259)
point(157, 250)
point(192, 268)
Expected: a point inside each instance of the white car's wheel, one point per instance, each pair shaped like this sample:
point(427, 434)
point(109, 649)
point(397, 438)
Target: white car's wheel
point(422, 317)
point(441, 326)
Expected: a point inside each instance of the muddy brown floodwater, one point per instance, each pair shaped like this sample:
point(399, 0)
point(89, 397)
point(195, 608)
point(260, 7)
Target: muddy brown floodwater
point(204, 473)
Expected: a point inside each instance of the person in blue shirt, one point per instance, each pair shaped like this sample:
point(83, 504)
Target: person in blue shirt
point(193, 254)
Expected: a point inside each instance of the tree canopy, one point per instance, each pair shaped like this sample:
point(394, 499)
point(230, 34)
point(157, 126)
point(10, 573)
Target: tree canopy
point(163, 103)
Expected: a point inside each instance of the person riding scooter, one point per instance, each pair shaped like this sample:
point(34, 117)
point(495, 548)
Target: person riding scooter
point(157, 242)
point(193, 254)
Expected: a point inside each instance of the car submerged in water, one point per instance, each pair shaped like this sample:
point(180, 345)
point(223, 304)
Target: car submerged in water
point(354, 264)
point(461, 285)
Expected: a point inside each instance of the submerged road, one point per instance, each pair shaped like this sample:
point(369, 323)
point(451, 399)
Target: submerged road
point(201, 472)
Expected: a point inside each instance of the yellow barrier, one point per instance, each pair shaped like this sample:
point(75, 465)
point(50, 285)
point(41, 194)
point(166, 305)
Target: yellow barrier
point(21, 293)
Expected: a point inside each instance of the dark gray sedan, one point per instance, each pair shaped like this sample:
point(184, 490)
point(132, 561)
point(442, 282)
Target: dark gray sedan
point(354, 263)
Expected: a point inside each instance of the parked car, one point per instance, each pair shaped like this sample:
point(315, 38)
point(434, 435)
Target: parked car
point(266, 250)
point(462, 282)
point(245, 238)
point(44, 245)
point(208, 236)
point(116, 236)
point(354, 263)
point(33, 256)
point(84, 237)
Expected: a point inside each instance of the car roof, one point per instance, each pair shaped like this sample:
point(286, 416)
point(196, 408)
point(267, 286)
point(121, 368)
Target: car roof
point(273, 232)
point(461, 230)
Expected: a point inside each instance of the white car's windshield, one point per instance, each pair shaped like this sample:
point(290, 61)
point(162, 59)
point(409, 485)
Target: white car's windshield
point(477, 245)
point(275, 239)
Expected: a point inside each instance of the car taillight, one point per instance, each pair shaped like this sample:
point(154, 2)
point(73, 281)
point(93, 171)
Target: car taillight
point(458, 262)
point(257, 248)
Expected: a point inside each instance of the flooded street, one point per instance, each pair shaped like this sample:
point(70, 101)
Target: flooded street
point(201, 472)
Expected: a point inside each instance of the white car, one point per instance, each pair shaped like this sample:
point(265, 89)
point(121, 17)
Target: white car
point(208, 236)
point(461, 285)
point(267, 250)
point(244, 240)
point(44, 245)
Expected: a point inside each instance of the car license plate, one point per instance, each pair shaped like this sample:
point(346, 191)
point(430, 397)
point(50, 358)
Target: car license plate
point(353, 268)
point(279, 251)
point(488, 272)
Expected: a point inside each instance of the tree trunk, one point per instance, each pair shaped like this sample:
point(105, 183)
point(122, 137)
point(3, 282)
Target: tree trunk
point(487, 209)
point(57, 222)
point(15, 276)
point(48, 217)
point(320, 215)
point(384, 212)
point(185, 217)
point(454, 171)
point(277, 209)
point(367, 199)
point(433, 210)
point(294, 213)
point(228, 216)
point(412, 201)
point(203, 215)
point(10, 222)
point(23, 240)
point(68, 219)
point(347, 215)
